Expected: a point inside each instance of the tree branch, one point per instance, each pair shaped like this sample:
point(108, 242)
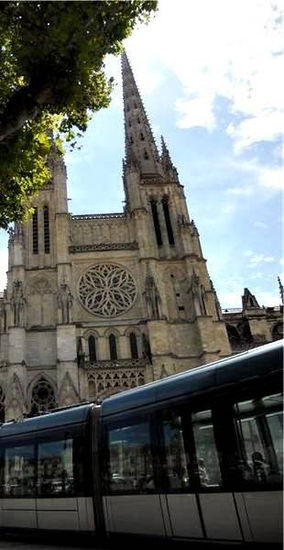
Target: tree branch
point(24, 105)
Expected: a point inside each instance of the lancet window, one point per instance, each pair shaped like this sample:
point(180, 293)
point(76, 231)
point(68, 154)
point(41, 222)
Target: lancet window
point(156, 222)
point(133, 345)
point(168, 220)
point(35, 231)
point(92, 348)
point(46, 230)
point(112, 347)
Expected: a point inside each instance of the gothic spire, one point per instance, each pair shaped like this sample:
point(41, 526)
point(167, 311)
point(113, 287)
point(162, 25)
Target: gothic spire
point(166, 161)
point(281, 290)
point(140, 146)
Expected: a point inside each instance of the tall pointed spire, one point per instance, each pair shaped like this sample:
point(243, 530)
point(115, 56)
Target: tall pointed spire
point(140, 146)
point(281, 290)
point(168, 168)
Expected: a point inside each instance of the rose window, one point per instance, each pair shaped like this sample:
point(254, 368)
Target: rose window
point(107, 290)
point(43, 398)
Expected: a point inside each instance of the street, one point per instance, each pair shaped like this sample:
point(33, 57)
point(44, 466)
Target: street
point(11, 542)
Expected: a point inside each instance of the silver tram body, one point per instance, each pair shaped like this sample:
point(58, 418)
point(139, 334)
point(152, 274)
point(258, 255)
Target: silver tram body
point(196, 457)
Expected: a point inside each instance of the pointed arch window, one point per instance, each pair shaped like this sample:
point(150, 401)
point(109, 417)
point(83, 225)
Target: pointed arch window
point(43, 397)
point(146, 156)
point(35, 231)
point(92, 348)
point(133, 345)
point(112, 347)
point(168, 220)
point(46, 230)
point(142, 136)
point(156, 222)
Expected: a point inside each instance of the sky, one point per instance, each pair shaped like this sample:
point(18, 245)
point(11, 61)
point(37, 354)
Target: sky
point(209, 74)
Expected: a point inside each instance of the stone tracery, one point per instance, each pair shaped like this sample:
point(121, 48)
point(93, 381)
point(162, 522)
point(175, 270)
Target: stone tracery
point(43, 398)
point(107, 290)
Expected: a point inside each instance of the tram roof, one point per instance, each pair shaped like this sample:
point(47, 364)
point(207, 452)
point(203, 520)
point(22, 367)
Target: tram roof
point(54, 419)
point(231, 370)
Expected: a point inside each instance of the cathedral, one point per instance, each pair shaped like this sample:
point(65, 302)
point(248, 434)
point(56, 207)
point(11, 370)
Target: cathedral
point(100, 303)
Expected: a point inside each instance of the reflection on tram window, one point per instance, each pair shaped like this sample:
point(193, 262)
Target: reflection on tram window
point(260, 430)
point(19, 471)
point(130, 459)
point(55, 468)
point(176, 467)
point(208, 468)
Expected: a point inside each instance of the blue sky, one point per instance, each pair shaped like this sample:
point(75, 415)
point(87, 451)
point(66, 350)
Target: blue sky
point(209, 76)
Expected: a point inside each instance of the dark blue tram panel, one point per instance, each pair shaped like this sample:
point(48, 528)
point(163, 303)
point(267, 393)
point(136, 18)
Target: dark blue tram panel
point(197, 456)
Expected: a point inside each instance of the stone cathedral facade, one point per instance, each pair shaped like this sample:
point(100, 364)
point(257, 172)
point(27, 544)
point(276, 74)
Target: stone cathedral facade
point(100, 303)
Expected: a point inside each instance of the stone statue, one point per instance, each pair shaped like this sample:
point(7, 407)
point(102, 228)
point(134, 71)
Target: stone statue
point(65, 302)
point(198, 295)
point(80, 353)
point(18, 303)
point(146, 350)
point(152, 298)
point(217, 303)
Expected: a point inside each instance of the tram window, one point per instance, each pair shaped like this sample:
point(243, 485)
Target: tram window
point(55, 468)
point(19, 471)
point(208, 467)
point(260, 429)
point(175, 457)
point(130, 467)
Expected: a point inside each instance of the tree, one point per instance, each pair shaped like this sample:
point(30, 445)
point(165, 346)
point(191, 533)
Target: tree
point(51, 80)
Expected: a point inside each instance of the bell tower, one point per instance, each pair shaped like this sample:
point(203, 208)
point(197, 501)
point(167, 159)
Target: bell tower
point(184, 321)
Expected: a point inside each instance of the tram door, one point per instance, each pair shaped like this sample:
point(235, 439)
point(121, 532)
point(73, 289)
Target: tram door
point(132, 503)
point(198, 507)
point(260, 430)
point(223, 469)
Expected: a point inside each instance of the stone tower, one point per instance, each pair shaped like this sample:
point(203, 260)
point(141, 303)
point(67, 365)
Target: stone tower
point(100, 303)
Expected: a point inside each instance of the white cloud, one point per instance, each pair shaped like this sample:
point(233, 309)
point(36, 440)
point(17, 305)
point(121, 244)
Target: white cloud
point(230, 299)
point(261, 127)
point(266, 298)
point(256, 259)
point(271, 177)
point(241, 191)
point(196, 112)
point(222, 48)
point(231, 296)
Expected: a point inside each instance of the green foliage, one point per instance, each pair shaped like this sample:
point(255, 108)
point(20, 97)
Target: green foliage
point(52, 78)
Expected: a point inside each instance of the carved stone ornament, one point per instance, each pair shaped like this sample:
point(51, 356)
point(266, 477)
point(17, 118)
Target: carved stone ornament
point(107, 290)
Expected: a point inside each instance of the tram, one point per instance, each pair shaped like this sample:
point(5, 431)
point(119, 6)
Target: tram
point(197, 456)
